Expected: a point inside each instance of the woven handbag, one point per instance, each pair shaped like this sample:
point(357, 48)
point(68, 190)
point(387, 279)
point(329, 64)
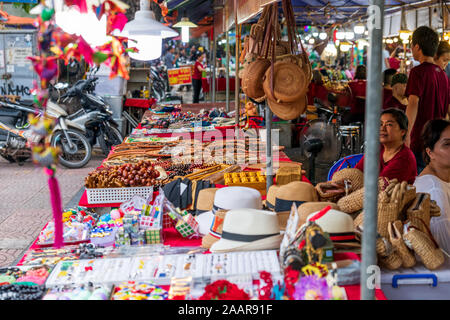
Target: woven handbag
point(355, 176)
point(332, 191)
point(353, 202)
point(391, 262)
point(395, 236)
point(425, 247)
point(420, 208)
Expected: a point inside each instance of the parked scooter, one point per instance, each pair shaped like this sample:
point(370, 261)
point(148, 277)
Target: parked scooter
point(95, 115)
point(15, 133)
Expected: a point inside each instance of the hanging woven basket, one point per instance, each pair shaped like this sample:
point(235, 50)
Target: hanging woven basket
point(288, 111)
point(252, 83)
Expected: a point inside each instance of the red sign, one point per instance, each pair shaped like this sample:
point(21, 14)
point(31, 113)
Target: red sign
point(179, 76)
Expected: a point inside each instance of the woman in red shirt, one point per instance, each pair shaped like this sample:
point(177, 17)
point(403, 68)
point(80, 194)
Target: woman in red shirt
point(197, 76)
point(394, 61)
point(396, 159)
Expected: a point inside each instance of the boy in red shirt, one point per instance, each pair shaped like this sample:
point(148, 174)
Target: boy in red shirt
point(427, 90)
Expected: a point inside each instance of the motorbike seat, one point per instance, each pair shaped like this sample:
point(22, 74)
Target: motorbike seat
point(29, 103)
point(10, 113)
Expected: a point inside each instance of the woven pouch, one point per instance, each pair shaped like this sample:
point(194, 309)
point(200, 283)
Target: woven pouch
point(354, 175)
point(435, 211)
point(420, 208)
point(391, 262)
point(288, 111)
point(395, 236)
point(332, 191)
point(353, 202)
point(425, 247)
point(252, 83)
point(387, 213)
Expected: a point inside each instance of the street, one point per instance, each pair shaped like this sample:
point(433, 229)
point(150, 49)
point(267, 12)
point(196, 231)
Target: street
point(25, 202)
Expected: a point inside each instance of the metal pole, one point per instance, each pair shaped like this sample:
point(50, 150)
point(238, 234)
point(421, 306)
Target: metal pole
point(236, 73)
point(269, 155)
point(227, 37)
point(214, 63)
point(372, 154)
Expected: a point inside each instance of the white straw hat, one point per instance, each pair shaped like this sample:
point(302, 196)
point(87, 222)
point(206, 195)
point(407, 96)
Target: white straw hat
point(249, 229)
point(226, 199)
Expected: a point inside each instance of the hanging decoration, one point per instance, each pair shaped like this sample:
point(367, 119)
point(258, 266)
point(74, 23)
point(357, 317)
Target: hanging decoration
point(54, 44)
point(170, 17)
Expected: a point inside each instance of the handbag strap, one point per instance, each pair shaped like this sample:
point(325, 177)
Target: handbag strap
point(275, 31)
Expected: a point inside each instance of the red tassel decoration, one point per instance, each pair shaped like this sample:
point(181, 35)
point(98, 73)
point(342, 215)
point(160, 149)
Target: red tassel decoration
point(55, 199)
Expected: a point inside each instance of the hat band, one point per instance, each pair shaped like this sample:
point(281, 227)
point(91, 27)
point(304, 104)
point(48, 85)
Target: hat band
point(343, 237)
point(245, 237)
point(216, 208)
point(286, 205)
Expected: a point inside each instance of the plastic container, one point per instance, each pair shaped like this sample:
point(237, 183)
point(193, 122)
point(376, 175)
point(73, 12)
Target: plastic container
point(116, 195)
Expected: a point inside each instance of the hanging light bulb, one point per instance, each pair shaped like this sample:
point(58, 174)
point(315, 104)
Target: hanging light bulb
point(396, 39)
point(404, 34)
point(340, 35)
point(359, 28)
point(366, 33)
point(362, 43)
point(147, 33)
point(337, 42)
point(184, 24)
point(345, 46)
point(323, 35)
point(311, 41)
point(389, 41)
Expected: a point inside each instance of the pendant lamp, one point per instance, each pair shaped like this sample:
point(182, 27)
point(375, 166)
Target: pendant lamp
point(185, 24)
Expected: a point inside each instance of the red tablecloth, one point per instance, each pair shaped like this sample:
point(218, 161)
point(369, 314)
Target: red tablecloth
point(139, 103)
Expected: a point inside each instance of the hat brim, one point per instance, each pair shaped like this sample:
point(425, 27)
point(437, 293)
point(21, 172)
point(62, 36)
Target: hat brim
point(269, 243)
point(204, 221)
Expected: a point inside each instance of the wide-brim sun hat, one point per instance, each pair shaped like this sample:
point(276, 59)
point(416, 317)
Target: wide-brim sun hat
point(249, 229)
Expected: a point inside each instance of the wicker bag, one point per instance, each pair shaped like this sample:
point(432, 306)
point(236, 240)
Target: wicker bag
point(420, 208)
point(355, 176)
point(252, 81)
point(395, 230)
point(425, 247)
point(391, 262)
point(333, 191)
point(289, 82)
point(353, 202)
point(435, 211)
point(288, 111)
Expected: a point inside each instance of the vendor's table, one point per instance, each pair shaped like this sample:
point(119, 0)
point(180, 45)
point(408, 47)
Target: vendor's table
point(134, 108)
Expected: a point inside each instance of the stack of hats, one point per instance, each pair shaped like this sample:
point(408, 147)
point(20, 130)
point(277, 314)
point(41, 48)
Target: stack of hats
point(248, 229)
point(281, 198)
point(225, 199)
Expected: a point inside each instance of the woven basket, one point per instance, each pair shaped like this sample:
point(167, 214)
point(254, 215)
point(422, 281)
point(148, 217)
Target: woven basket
point(387, 213)
point(391, 262)
point(431, 256)
point(395, 236)
point(383, 247)
point(288, 111)
point(252, 82)
point(289, 82)
point(353, 202)
point(356, 177)
point(208, 240)
point(330, 191)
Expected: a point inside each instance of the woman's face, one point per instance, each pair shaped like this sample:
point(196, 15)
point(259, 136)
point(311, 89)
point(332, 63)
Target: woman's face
point(399, 89)
point(441, 151)
point(390, 130)
point(443, 60)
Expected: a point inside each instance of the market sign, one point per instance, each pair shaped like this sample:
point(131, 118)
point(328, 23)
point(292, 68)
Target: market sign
point(179, 76)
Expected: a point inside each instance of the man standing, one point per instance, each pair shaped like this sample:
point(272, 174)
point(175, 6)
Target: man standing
point(169, 58)
point(427, 90)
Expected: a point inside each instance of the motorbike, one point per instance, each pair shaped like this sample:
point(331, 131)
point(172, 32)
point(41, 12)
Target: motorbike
point(95, 115)
point(15, 134)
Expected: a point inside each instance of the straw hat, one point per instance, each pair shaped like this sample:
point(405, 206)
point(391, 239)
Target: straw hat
point(295, 191)
point(271, 197)
point(339, 226)
point(248, 229)
point(307, 208)
point(205, 200)
point(228, 198)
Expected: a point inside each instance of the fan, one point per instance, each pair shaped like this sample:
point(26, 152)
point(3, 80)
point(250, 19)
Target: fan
point(328, 134)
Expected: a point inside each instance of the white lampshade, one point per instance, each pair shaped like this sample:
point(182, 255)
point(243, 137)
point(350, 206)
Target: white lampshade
point(149, 47)
point(185, 24)
point(330, 50)
point(389, 41)
point(349, 35)
point(147, 32)
point(404, 34)
point(315, 34)
point(362, 43)
point(359, 28)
